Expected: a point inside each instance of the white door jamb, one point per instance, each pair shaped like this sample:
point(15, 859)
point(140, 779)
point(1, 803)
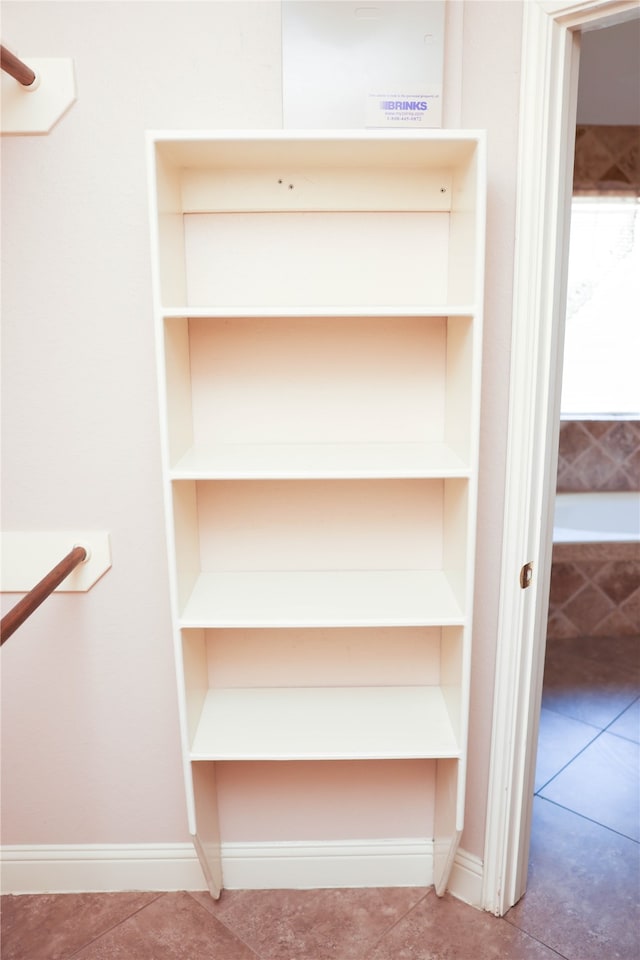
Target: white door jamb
point(550, 57)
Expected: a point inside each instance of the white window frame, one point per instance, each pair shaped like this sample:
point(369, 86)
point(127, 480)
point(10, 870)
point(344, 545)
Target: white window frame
point(602, 342)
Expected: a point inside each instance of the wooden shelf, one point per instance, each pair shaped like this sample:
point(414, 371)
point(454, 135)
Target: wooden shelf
point(324, 723)
point(302, 310)
point(322, 598)
point(319, 461)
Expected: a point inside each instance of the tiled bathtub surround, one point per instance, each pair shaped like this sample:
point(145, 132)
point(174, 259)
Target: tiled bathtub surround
point(595, 590)
point(607, 159)
point(599, 455)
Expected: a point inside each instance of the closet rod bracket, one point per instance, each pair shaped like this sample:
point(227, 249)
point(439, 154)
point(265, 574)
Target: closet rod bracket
point(35, 107)
point(26, 556)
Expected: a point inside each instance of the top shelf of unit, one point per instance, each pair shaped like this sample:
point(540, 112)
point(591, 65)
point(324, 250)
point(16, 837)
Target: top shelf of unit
point(318, 221)
point(346, 149)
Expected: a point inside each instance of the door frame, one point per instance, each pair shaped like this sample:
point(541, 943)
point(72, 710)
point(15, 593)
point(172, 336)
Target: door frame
point(549, 85)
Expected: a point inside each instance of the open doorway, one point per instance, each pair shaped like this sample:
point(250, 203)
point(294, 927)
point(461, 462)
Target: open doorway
point(551, 47)
point(584, 856)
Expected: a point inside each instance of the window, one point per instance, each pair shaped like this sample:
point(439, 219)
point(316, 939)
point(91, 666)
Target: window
point(602, 333)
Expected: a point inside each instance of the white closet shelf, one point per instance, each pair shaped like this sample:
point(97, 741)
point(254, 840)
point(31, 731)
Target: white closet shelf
point(321, 310)
point(349, 598)
point(318, 303)
point(319, 461)
point(324, 723)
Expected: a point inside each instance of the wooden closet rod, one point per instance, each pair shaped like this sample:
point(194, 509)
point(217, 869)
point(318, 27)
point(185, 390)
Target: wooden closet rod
point(25, 607)
point(16, 68)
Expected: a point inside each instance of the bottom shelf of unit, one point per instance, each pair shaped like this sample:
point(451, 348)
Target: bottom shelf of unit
point(324, 723)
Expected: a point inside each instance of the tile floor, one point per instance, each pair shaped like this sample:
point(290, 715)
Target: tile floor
point(581, 904)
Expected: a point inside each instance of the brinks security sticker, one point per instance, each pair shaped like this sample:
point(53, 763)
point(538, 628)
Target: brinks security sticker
point(404, 109)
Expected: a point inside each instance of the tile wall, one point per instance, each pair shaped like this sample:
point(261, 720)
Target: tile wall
point(599, 455)
point(607, 159)
point(595, 588)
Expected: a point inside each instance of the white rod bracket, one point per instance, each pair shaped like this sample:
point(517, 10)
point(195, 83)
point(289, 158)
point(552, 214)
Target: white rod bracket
point(37, 108)
point(26, 557)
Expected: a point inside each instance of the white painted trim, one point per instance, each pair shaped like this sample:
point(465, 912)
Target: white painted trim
point(465, 882)
point(309, 865)
point(83, 868)
point(174, 866)
point(96, 868)
point(547, 126)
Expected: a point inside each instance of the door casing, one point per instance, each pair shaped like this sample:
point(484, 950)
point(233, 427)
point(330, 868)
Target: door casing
point(549, 84)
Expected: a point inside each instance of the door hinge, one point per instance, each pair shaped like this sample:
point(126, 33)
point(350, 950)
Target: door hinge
point(526, 575)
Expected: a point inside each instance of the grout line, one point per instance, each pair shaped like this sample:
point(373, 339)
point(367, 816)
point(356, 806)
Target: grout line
point(597, 823)
point(569, 716)
point(114, 926)
point(620, 736)
point(429, 892)
point(531, 936)
point(234, 933)
point(569, 762)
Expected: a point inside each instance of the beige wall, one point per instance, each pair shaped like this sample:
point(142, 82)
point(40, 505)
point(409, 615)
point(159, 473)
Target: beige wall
point(90, 739)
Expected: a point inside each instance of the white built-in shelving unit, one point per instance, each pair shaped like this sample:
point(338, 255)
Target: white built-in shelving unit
point(318, 300)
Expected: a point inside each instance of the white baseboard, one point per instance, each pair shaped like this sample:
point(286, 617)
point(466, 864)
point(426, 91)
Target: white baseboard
point(465, 881)
point(74, 868)
point(361, 863)
point(95, 868)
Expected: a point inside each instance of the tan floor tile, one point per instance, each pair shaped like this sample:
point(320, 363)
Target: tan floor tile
point(582, 895)
point(336, 924)
point(446, 929)
point(592, 679)
point(612, 798)
point(560, 739)
point(55, 926)
point(173, 927)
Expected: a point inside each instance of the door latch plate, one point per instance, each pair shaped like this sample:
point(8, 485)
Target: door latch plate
point(526, 575)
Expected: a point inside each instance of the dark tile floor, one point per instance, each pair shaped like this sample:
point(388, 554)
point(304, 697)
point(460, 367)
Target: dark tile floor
point(581, 904)
point(583, 896)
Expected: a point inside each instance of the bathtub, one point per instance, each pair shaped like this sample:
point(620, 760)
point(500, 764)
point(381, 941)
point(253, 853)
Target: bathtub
point(595, 570)
point(600, 517)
